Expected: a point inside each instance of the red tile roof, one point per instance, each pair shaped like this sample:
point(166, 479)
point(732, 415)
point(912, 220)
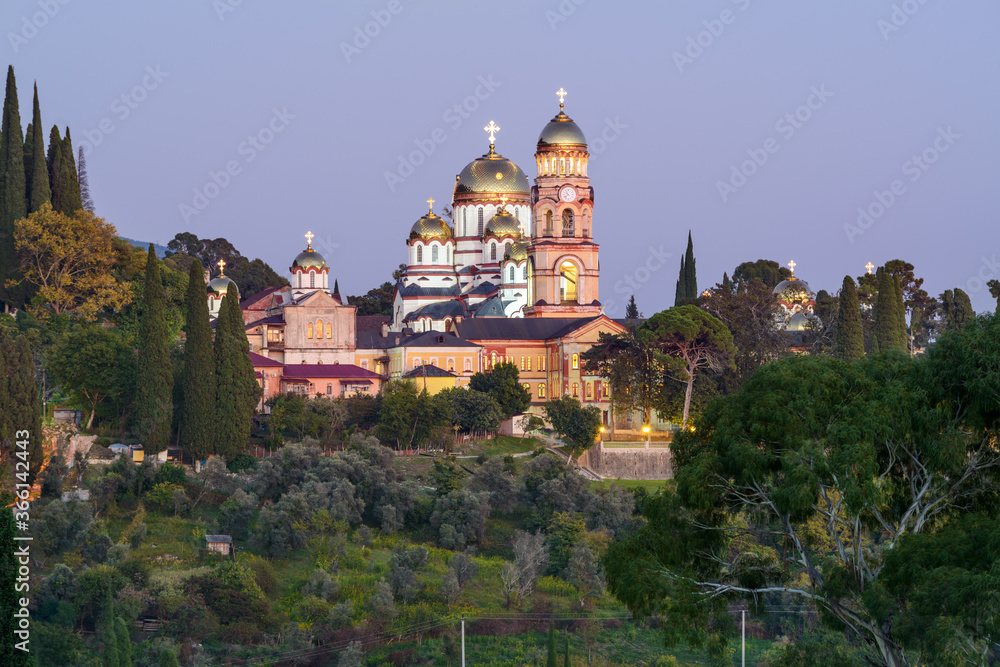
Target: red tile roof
point(250, 300)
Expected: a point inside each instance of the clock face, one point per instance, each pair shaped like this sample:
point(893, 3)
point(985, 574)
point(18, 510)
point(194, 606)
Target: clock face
point(567, 193)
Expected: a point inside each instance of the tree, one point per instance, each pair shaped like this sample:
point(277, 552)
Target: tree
point(198, 425)
point(502, 383)
point(631, 310)
point(109, 637)
point(808, 479)
point(86, 202)
point(124, 643)
point(154, 406)
point(23, 413)
point(8, 577)
point(768, 271)
point(575, 423)
point(37, 172)
point(54, 476)
point(956, 309)
point(69, 158)
point(531, 557)
point(71, 260)
point(168, 658)
point(494, 477)
point(688, 338)
point(850, 339)
point(583, 571)
point(92, 364)
point(680, 289)
point(237, 391)
point(13, 206)
point(994, 286)
point(631, 371)
point(378, 301)
point(472, 410)
point(690, 275)
point(888, 315)
point(550, 642)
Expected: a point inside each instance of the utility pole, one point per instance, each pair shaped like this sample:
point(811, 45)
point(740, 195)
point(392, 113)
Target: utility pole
point(463, 641)
point(743, 642)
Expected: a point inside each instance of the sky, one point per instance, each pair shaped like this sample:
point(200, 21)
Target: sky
point(828, 133)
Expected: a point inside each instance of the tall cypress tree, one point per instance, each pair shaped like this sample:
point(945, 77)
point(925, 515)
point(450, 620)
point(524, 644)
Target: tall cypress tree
point(38, 179)
point(109, 638)
point(23, 410)
point(690, 275)
point(154, 396)
point(72, 178)
point(552, 659)
point(29, 160)
point(85, 199)
point(631, 309)
point(962, 312)
point(887, 315)
point(680, 292)
point(12, 188)
point(60, 191)
point(198, 423)
point(850, 342)
point(237, 391)
point(124, 643)
point(903, 338)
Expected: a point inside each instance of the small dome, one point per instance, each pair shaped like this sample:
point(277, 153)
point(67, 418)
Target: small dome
point(309, 259)
point(430, 227)
point(492, 174)
point(221, 285)
point(517, 252)
point(502, 224)
point(561, 131)
point(793, 289)
point(798, 322)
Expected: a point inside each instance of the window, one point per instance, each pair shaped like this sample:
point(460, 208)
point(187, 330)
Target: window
point(451, 364)
point(329, 330)
point(506, 248)
point(605, 389)
point(364, 364)
point(576, 390)
point(522, 362)
point(329, 389)
point(420, 254)
point(416, 363)
point(434, 361)
point(576, 361)
point(529, 362)
point(493, 359)
point(541, 362)
point(434, 254)
point(527, 387)
point(548, 222)
point(309, 331)
point(567, 281)
point(468, 364)
point(510, 274)
point(569, 223)
point(463, 227)
point(493, 251)
point(312, 279)
point(589, 390)
point(541, 390)
point(480, 221)
point(319, 329)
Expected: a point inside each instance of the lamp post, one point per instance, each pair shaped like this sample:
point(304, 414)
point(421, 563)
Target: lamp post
point(645, 429)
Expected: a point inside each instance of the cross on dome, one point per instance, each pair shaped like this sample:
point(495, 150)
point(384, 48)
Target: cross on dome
point(222, 268)
point(430, 203)
point(492, 129)
point(869, 266)
point(792, 266)
point(562, 97)
point(309, 240)
point(503, 202)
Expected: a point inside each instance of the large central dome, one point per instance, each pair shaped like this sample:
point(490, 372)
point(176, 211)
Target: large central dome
point(561, 131)
point(492, 174)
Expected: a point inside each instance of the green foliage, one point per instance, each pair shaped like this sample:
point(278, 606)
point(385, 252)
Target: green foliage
point(94, 365)
point(154, 387)
point(502, 383)
point(690, 274)
point(767, 271)
point(22, 410)
point(237, 391)
point(12, 192)
point(36, 170)
point(446, 477)
point(575, 423)
point(407, 417)
point(8, 576)
point(472, 410)
point(565, 530)
point(168, 658)
point(889, 315)
point(550, 643)
point(199, 417)
point(631, 309)
point(124, 643)
point(630, 368)
point(378, 301)
point(850, 339)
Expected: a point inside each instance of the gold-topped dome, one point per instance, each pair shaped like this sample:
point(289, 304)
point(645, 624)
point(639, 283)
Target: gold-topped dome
point(516, 252)
point(502, 224)
point(309, 258)
point(793, 290)
point(221, 286)
point(561, 131)
point(430, 226)
point(492, 174)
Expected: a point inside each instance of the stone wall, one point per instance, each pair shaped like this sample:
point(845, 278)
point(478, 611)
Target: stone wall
point(630, 463)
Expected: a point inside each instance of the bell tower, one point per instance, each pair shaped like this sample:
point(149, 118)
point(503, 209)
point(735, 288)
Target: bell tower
point(562, 258)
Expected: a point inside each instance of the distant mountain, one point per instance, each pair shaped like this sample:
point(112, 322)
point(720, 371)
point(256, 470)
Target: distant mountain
point(161, 250)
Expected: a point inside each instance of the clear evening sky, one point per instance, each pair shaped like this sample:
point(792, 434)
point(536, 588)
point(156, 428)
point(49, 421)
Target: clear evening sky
point(762, 126)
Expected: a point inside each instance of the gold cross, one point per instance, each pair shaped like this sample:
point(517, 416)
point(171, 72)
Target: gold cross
point(430, 202)
point(503, 202)
point(562, 96)
point(222, 268)
point(492, 129)
point(792, 266)
point(869, 266)
point(309, 240)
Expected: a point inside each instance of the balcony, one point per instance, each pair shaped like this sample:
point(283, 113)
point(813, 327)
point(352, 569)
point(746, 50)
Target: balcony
point(275, 345)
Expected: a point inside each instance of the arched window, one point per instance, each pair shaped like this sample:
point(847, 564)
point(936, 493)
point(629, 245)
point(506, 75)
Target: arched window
point(569, 224)
point(312, 279)
point(329, 330)
point(493, 359)
point(576, 361)
point(464, 228)
point(434, 254)
point(493, 251)
point(589, 390)
point(420, 254)
point(506, 248)
point(548, 223)
point(541, 390)
point(576, 390)
point(511, 272)
point(319, 329)
point(309, 332)
point(480, 221)
point(567, 281)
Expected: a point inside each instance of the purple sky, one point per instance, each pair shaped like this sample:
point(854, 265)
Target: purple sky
point(896, 80)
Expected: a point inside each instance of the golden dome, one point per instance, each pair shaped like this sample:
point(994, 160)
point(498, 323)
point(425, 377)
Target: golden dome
point(561, 131)
point(793, 290)
point(309, 259)
point(221, 285)
point(517, 252)
point(502, 224)
point(430, 227)
point(492, 174)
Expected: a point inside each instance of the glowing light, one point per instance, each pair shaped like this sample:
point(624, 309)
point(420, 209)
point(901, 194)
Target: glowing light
point(222, 268)
point(309, 240)
point(792, 266)
point(430, 203)
point(562, 97)
point(645, 429)
point(869, 266)
point(492, 129)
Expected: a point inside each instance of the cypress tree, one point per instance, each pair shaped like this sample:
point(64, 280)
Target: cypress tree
point(567, 662)
point(38, 178)
point(60, 194)
point(12, 188)
point(903, 338)
point(631, 309)
point(168, 658)
point(72, 179)
point(887, 315)
point(850, 342)
point(690, 276)
point(680, 293)
point(86, 201)
point(8, 575)
point(23, 409)
point(336, 288)
point(237, 391)
point(124, 643)
point(727, 284)
point(552, 659)
point(29, 160)
point(198, 423)
point(154, 395)
point(957, 308)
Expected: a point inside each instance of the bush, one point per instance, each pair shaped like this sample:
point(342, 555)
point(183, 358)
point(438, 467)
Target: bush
point(170, 473)
point(242, 463)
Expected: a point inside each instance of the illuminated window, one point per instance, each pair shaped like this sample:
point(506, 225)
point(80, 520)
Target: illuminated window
point(309, 333)
point(420, 254)
point(451, 365)
point(569, 224)
point(522, 363)
point(576, 361)
point(567, 281)
point(434, 254)
point(329, 330)
point(468, 364)
point(529, 363)
point(319, 329)
point(576, 390)
point(589, 390)
point(541, 362)
point(493, 359)
point(605, 389)
point(416, 363)
point(541, 390)
point(527, 387)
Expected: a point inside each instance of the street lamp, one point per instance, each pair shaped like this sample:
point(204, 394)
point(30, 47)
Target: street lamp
point(645, 429)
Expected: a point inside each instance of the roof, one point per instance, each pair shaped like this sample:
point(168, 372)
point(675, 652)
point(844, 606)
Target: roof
point(491, 307)
point(373, 340)
point(219, 538)
point(259, 361)
point(436, 339)
point(250, 300)
point(334, 371)
point(439, 310)
point(417, 290)
point(502, 328)
point(371, 322)
point(428, 371)
point(273, 319)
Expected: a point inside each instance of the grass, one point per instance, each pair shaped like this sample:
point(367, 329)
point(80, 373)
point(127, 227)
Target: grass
point(503, 445)
point(652, 486)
